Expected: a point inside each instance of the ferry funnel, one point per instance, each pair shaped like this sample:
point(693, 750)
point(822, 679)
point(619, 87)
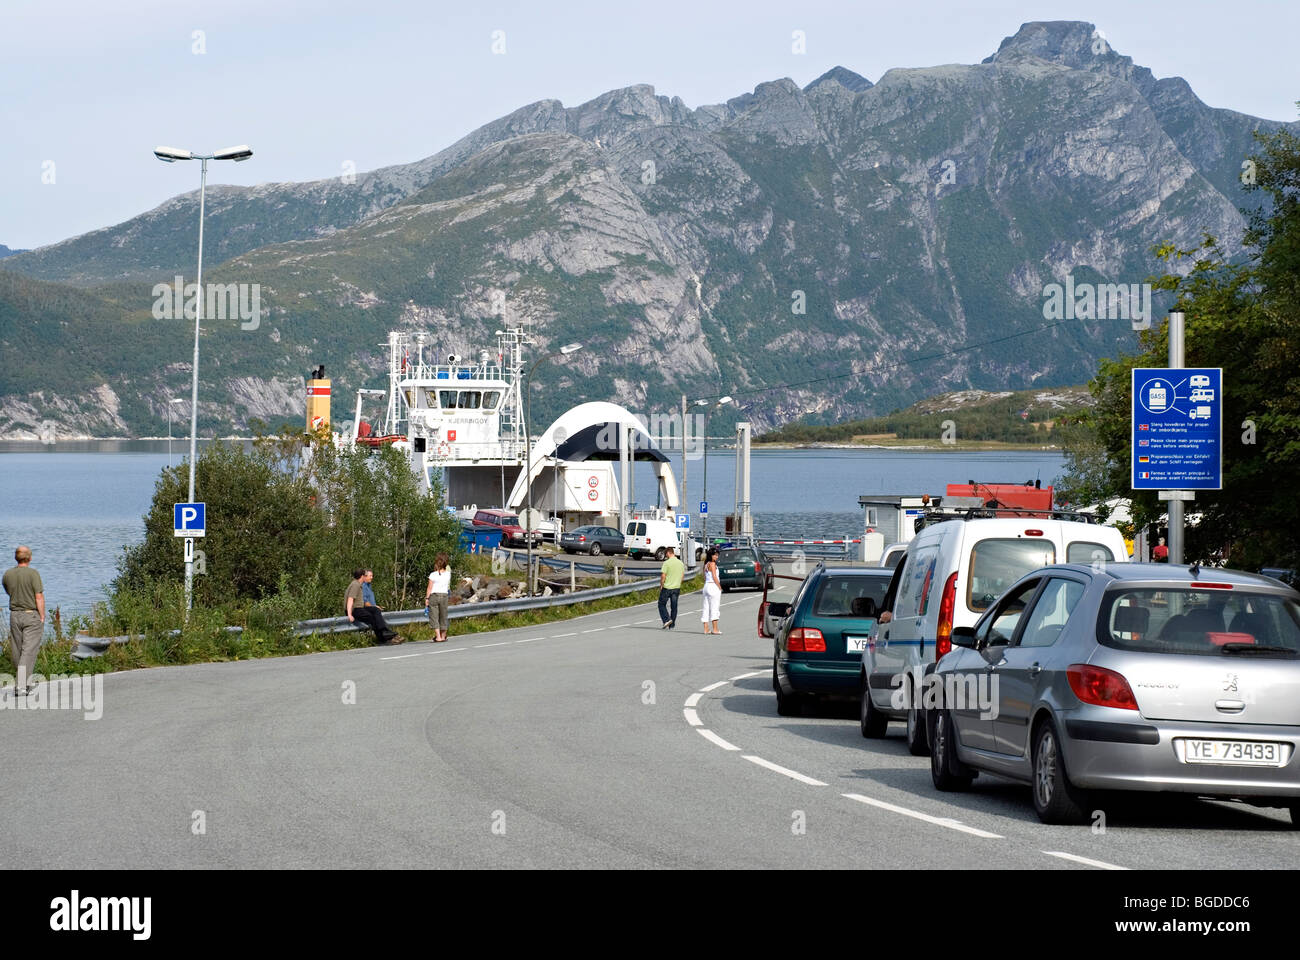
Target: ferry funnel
point(318, 400)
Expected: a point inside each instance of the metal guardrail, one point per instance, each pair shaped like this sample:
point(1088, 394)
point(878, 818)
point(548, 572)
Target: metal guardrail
point(95, 646)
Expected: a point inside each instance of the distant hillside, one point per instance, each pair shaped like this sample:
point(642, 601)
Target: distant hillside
point(6, 252)
point(821, 253)
point(1020, 416)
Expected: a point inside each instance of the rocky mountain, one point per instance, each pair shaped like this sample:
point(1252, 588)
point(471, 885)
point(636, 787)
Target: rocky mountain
point(6, 252)
point(821, 253)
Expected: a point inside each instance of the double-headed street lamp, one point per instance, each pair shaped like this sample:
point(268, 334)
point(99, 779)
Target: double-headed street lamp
point(564, 351)
point(710, 406)
point(171, 155)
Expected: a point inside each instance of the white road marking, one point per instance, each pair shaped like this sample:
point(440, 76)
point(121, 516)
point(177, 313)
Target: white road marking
point(937, 821)
point(1099, 864)
point(556, 636)
point(714, 739)
point(480, 646)
point(714, 686)
point(406, 655)
point(746, 676)
point(651, 620)
point(693, 699)
point(596, 630)
point(692, 717)
point(783, 770)
point(449, 650)
point(530, 640)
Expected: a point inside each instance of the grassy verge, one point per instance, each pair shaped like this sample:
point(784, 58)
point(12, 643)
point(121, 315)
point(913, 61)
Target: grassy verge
point(205, 641)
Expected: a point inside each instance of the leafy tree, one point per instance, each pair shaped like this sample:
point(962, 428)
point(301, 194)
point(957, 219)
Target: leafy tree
point(287, 522)
point(1242, 317)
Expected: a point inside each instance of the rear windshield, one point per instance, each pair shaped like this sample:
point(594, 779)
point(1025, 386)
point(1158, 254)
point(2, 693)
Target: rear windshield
point(1081, 551)
point(506, 521)
point(736, 556)
point(835, 596)
point(996, 564)
point(1211, 622)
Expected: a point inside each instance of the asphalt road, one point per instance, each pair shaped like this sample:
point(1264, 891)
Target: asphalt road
point(596, 742)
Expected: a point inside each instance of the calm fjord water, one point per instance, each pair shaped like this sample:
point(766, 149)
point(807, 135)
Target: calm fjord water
point(77, 505)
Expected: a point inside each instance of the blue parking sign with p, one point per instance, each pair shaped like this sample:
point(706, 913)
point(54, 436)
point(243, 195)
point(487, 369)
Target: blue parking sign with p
point(683, 521)
point(704, 507)
point(189, 519)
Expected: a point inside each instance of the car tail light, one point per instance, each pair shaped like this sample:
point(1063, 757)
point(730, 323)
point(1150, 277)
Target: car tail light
point(1099, 686)
point(943, 636)
point(758, 568)
point(762, 618)
point(1033, 533)
point(1212, 586)
point(582, 539)
point(806, 640)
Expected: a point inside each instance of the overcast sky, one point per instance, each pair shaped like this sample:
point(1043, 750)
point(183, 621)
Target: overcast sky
point(87, 88)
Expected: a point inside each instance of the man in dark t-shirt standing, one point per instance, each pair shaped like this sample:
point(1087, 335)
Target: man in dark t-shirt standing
point(26, 615)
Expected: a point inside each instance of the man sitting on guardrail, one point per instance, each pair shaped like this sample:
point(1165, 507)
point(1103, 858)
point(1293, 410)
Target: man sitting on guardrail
point(670, 587)
point(361, 606)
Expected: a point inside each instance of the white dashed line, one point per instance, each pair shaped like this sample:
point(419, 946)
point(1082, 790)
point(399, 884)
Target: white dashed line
point(406, 656)
point(449, 650)
point(693, 699)
point(937, 821)
point(596, 630)
point(1099, 864)
point(746, 676)
point(714, 686)
point(530, 640)
point(480, 646)
point(716, 740)
point(692, 717)
point(651, 620)
point(557, 636)
point(782, 770)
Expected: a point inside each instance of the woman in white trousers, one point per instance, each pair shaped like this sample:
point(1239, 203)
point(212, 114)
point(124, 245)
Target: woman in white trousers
point(712, 593)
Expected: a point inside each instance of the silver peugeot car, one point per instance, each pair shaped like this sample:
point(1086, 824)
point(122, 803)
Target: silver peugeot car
point(1125, 676)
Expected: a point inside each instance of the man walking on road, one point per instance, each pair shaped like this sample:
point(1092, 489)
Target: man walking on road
point(670, 588)
point(361, 606)
point(26, 616)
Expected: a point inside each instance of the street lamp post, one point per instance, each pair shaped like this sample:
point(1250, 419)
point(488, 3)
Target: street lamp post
point(171, 155)
point(720, 402)
point(565, 350)
point(170, 403)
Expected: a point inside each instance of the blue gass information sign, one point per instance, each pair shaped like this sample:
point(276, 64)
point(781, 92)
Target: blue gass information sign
point(1178, 428)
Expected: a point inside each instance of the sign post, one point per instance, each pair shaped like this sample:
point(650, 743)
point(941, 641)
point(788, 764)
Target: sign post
point(189, 520)
point(1177, 432)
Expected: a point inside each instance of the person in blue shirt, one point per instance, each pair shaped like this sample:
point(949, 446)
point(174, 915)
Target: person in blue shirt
point(359, 602)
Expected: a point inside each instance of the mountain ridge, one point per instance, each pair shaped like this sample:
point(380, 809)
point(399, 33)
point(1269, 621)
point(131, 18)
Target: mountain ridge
point(905, 218)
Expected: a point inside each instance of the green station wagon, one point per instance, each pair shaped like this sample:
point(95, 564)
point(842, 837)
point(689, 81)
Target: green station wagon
point(822, 633)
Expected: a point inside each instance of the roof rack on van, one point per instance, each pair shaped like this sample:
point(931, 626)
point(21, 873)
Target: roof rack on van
point(941, 514)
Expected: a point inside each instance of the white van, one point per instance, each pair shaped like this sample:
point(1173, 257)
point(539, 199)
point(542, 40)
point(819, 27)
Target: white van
point(647, 536)
point(953, 572)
